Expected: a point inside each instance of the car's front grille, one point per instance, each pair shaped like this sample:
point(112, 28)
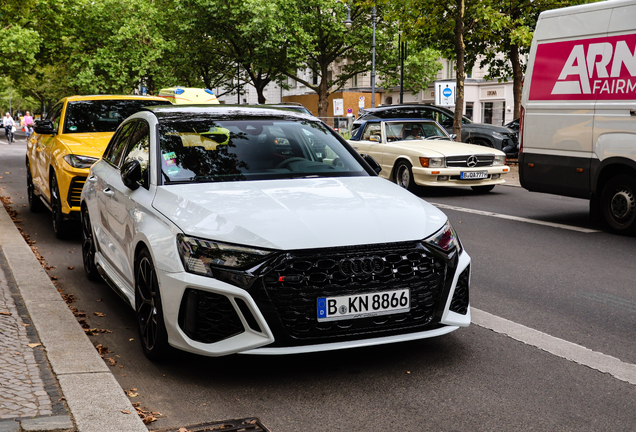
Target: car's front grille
point(298, 279)
point(75, 191)
point(469, 161)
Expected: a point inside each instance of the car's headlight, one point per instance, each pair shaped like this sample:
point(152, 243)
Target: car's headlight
point(499, 160)
point(436, 162)
point(199, 256)
point(77, 161)
point(498, 135)
point(445, 239)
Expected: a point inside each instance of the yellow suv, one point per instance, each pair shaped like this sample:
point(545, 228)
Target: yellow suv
point(66, 143)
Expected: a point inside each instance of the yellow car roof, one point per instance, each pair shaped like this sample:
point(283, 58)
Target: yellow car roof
point(110, 97)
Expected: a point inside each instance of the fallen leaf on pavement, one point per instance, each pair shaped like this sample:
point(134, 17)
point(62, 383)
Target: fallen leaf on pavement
point(131, 393)
point(125, 412)
point(99, 314)
point(71, 268)
point(5, 313)
point(33, 345)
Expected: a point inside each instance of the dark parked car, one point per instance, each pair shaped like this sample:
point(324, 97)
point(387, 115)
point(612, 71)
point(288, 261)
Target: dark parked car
point(292, 106)
point(498, 137)
point(513, 125)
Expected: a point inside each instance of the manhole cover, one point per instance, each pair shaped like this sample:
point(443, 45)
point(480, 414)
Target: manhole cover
point(240, 425)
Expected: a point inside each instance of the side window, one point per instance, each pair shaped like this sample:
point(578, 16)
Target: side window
point(445, 120)
point(54, 116)
point(139, 149)
point(371, 129)
point(117, 146)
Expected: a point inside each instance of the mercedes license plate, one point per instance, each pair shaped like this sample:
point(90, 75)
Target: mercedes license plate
point(473, 175)
point(363, 305)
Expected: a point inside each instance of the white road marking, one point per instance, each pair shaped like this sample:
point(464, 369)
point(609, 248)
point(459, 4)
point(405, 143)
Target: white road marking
point(559, 347)
point(514, 218)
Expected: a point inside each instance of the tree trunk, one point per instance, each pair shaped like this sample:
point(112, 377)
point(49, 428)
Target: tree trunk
point(517, 77)
point(459, 53)
point(323, 94)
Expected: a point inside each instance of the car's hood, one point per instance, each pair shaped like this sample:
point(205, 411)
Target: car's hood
point(486, 127)
point(441, 148)
point(87, 144)
point(300, 213)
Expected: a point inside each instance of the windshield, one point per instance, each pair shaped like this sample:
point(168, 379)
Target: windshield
point(197, 148)
point(102, 115)
point(402, 131)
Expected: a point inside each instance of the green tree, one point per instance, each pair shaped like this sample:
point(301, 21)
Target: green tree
point(322, 38)
point(248, 33)
point(421, 66)
point(512, 24)
point(453, 27)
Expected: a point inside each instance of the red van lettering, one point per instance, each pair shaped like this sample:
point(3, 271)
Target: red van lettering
point(585, 68)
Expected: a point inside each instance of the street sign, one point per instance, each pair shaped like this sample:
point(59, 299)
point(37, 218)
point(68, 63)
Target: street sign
point(445, 93)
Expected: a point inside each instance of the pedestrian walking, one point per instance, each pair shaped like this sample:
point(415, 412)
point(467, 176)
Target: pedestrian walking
point(9, 127)
point(27, 124)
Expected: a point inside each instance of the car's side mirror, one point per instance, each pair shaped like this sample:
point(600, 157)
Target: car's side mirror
point(452, 136)
point(43, 127)
point(131, 174)
point(375, 138)
point(373, 164)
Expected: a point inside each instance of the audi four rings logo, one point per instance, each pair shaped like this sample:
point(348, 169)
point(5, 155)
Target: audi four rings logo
point(471, 161)
point(361, 266)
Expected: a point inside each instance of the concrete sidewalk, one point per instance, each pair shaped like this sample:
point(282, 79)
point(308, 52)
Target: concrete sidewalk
point(51, 376)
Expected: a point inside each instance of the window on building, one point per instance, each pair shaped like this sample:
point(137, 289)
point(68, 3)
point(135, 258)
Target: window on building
point(493, 113)
point(469, 110)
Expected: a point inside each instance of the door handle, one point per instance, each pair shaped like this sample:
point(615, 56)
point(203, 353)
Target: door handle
point(356, 148)
point(108, 191)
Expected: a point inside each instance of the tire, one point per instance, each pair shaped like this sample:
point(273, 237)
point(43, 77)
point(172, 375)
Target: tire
point(482, 189)
point(618, 204)
point(60, 226)
point(88, 247)
point(150, 321)
point(404, 176)
point(35, 203)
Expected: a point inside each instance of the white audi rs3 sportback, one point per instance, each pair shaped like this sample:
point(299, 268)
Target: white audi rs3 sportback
point(257, 230)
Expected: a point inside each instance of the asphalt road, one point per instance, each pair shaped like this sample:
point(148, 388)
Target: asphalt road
point(537, 263)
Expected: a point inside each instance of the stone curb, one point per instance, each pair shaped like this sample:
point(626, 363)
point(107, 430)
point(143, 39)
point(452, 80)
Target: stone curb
point(95, 399)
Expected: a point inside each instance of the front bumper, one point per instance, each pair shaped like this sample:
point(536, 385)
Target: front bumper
point(451, 176)
point(70, 182)
point(214, 317)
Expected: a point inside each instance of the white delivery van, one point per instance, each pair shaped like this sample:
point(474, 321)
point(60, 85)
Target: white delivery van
point(578, 114)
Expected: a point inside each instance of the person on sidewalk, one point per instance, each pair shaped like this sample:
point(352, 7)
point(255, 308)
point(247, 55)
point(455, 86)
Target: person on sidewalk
point(27, 124)
point(9, 126)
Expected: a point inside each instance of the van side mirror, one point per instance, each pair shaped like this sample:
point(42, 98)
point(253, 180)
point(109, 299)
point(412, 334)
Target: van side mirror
point(43, 127)
point(131, 174)
point(373, 164)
